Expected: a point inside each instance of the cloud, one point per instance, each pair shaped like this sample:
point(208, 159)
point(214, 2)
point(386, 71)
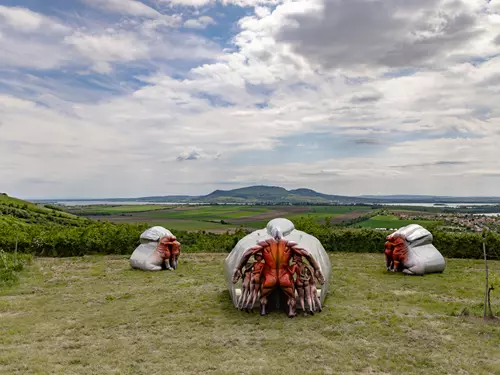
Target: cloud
point(394, 34)
point(430, 164)
point(132, 100)
point(26, 21)
point(366, 141)
point(189, 155)
point(188, 3)
point(366, 97)
point(32, 40)
point(201, 23)
point(108, 47)
point(126, 7)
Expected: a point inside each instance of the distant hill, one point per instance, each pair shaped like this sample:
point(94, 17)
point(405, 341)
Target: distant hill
point(261, 194)
point(430, 199)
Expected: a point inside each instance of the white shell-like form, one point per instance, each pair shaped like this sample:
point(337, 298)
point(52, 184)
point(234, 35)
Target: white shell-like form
point(423, 257)
point(288, 231)
point(154, 234)
point(144, 256)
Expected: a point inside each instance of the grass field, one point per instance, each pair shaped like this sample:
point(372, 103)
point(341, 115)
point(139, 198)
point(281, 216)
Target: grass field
point(95, 315)
point(389, 221)
point(105, 209)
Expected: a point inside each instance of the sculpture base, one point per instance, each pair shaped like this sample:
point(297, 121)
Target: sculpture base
point(276, 301)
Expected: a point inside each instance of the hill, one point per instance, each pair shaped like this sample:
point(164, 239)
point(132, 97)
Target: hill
point(21, 212)
point(431, 199)
point(275, 194)
point(261, 194)
point(258, 194)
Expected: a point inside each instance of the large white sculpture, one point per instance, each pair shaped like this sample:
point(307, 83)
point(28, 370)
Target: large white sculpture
point(272, 276)
point(159, 249)
point(410, 250)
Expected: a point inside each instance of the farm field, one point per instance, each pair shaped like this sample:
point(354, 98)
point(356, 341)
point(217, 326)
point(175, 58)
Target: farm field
point(217, 218)
point(95, 315)
point(391, 222)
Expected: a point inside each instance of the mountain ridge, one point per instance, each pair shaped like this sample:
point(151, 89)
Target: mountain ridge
point(258, 194)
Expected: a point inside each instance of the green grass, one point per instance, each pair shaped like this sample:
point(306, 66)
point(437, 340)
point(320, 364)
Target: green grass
point(388, 221)
point(10, 266)
point(193, 218)
point(121, 208)
point(176, 212)
point(5, 200)
point(193, 225)
point(95, 315)
point(203, 214)
point(336, 209)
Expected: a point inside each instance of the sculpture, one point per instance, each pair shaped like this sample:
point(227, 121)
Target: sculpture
point(255, 281)
point(159, 250)
point(169, 250)
point(305, 283)
point(245, 287)
point(277, 247)
point(410, 250)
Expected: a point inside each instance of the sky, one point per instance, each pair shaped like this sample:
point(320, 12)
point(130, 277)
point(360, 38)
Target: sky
point(128, 98)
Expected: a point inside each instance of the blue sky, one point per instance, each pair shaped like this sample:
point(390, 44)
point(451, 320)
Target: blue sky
point(102, 98)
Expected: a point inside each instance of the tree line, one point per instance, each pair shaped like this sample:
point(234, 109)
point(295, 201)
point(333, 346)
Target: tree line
point(85, 237)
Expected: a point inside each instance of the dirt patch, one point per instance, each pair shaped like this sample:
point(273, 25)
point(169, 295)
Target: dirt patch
point(279, 212)
point(348, 216)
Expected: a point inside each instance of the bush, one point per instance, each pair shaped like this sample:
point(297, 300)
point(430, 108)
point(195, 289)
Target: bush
point(101, 238)
point(10, 266)
point(450, 244)
point(95, 237)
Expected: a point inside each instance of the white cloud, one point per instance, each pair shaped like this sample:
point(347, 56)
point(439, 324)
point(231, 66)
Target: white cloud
point(128, 7)
point(108, 47)
point(354, 120)
point(32, 40)
point(200, 23)
point(188, 3)
point(27, 21)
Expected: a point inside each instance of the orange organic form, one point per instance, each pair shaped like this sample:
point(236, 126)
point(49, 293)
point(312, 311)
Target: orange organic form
point(396, 252)
point(277, 253)
point(257, 269)
point(305, 284)
point(388, 249)
point(169, 249)
point(245, 286)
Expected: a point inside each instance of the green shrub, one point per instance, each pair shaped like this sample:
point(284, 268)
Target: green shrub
point(95, 237)
point(450, 244)
point(10, 266)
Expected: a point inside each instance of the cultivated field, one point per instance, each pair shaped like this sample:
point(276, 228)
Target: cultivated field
point(217, 218)
point(95, 315)
point(391, 222)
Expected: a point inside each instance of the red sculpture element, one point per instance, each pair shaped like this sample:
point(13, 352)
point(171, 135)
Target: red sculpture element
point(245, 286)
point(396, 252)
point(257, 269)
point(316, 302)
point(277, 253)
point(388, 249)
point(305, 285)
point(168, 250)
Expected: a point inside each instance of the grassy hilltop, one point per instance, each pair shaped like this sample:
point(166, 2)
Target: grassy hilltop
point(95, 315)
point(85, 313)
point(21, 212)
